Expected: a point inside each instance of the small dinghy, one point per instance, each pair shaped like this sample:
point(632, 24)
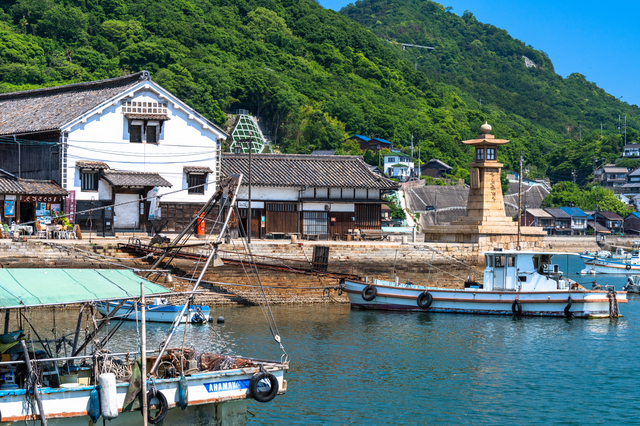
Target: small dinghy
point(632, 285)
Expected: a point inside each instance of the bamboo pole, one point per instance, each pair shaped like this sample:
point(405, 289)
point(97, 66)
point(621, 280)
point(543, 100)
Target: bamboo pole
point(36, 394)
point(143, 357)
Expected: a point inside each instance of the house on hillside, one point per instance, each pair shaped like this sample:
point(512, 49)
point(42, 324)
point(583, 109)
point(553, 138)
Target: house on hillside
point(114, 142)
point(435, 168)
point(632, 186)
point(578, 220)
point(611, 176)
point(631, 150)
point(374, 144)
point(321, 196)
point(399, 166)
point(561, 221)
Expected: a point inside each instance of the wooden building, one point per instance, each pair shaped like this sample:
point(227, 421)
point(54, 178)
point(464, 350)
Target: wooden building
point(632, 224)
point(374, 144)
point(23, 200)
point(308, 194)
point(435, 168)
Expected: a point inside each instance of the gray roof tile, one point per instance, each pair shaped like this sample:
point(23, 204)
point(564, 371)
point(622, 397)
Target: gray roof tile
point(126, 178)
point(20, 186)
point(336, 171)
point(48, 109)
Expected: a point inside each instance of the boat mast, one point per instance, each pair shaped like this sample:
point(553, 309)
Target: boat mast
point(234, 182)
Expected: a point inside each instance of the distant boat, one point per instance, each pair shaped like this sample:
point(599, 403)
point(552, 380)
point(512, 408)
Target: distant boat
point(603, 262)
point(158, 311)
point(515, 283)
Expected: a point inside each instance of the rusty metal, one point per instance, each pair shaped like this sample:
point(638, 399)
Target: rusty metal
point(236, 262)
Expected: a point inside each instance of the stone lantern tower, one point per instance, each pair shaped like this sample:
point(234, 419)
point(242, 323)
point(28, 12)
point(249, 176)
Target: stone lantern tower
point(486, 222)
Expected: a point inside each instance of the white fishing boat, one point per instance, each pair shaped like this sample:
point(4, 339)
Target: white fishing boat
point(603, 262)
point(515, 283)
point(158, 311)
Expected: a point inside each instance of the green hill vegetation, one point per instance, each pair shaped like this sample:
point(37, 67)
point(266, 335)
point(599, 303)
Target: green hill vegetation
point(316, 76)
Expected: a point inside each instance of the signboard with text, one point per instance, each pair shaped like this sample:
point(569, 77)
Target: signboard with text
point(70, 206)
point(40, 198)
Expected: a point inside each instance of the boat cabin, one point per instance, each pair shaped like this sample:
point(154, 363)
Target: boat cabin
point(522, 271)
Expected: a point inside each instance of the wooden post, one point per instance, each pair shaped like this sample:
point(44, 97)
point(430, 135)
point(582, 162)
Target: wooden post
point(143, 363)
point(43, 418)
point(6, 320)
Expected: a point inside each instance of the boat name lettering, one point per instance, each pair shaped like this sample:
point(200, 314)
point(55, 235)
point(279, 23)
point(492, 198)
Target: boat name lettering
point(227, 386)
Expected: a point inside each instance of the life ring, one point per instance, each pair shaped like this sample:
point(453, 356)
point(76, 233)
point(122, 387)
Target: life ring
point(628, 267)
point(516, 308)
point(422, 303)
point(267, 395)
point(369, 293)
point(164, 406)
point(567, 312)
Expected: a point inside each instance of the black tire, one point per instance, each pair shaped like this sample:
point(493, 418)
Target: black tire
point(516, 308)
point(263, 396)
point(422, 303)
point(164, 406)
point(567, 312)
point(369, 293)
point(628, 267)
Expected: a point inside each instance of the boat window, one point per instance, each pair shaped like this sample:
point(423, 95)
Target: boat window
point(536, 262)
point(489, 261)
point(512, 261)
point(499, 261)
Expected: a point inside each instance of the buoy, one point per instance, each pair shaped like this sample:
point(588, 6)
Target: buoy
point(220, 319)
point(108, 396)
point(94, 405)
point(183, 392)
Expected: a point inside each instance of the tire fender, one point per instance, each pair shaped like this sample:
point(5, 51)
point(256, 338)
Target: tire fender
point(164, 406)
point(267, 395)
point(628, 267)
point(567, 312)
point(425, 299)
point(369, 293)
point(516, 308)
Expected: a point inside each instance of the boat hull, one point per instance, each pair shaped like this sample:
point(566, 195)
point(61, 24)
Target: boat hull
point(612, 265)
point(215, 398)
point(584, 303)
point(156, 313)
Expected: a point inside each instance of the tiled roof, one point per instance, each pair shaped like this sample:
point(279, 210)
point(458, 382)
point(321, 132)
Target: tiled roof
point(441, 163)
point(158, 117)
point(599, 228)
point(636, 214)
point(93, 165)
point(539, 213)
point(50, 108)
point(30, 187)
point(196, 169)
point(610, 215)
point(324, 152)
point(610, 168)
point(636, 172)
point(334, 171)
point(126, 178)
point(381, 140)
point(574, 211)
point(632, 146)
point(558, 213)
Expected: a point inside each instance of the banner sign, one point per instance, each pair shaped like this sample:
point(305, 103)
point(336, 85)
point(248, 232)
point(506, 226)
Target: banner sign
point(70, 206)
point(40, 198)
point(9, 208)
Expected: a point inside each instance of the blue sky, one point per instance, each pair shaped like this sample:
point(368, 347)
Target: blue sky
point(600, 40)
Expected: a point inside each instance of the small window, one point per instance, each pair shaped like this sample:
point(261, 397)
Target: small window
point(135, 133)
point(89, 180)
point(499, 261)
point(512, 261)
point(479, 153)
point(391, 159)
point(196, 182)
point(152, 136)
point(491, 153)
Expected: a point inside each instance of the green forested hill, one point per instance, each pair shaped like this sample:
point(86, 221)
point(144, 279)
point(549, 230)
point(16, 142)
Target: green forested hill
point(316, 76)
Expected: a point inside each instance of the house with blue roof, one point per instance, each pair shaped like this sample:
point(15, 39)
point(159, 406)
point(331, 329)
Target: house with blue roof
point(632, 224)
point(374, 144)
point(578, 220)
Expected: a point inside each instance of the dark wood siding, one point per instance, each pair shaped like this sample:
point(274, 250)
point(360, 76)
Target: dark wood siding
point(282, 217)
point(368, 216)
point(178, 215)
point(340, 223)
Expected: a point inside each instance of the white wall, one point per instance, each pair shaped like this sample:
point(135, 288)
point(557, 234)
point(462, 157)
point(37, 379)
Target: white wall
point(334, 193)
point(361, 193)
point(268, 193)
point(184, 141)
point(127, 215)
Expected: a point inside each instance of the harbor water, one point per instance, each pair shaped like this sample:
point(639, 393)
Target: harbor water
point(394, 368)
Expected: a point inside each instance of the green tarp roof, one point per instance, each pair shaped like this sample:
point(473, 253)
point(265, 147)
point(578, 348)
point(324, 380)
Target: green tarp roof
point(31, 287)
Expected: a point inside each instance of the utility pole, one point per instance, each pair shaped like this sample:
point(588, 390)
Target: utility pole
point(435, 211)
point(519, 200)
point(625, 129)
point(573, 174)
point(412, 146)
point(419, 159)
point(580, 131)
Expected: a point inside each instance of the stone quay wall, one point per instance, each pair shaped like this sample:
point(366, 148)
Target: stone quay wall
point(435, 264)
